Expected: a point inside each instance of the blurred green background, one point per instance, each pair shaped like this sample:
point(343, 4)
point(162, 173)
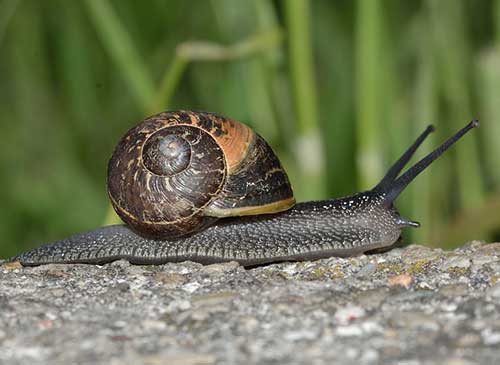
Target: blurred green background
point(339, 89)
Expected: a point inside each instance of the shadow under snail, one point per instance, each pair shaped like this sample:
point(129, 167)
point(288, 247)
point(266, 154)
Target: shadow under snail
point(197, 186)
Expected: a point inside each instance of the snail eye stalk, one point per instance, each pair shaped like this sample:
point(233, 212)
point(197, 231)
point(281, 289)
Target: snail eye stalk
point(392, 186)
point(392, 174)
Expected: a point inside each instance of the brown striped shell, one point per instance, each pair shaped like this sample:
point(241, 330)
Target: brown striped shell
point(177, 172)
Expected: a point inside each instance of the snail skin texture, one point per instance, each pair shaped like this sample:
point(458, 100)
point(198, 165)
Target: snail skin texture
point(197, 186)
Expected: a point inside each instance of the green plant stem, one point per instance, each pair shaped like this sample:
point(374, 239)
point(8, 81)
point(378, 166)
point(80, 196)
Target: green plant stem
point(7, 10)
point(309, 143)
point(169, 83)
point(451, 44)
point(369, 92)
point(426, 112)
point(301, 64)
point(496, 6)
point(207, 51)
point(488, 79)
point(120, 47)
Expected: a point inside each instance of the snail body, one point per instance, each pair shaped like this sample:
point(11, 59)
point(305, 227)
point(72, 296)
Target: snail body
point(231, 201)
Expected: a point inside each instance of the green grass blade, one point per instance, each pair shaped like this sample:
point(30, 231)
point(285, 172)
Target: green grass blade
point(309, 147)
point(121, 49)
point(369, 54)
point(489, 93)
point(496, 7)
point(7, 10)
point(425, 112)
point(452, 49)
point(208, 51)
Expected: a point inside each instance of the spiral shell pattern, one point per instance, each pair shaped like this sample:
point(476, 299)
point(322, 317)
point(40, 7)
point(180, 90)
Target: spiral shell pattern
point(177, 172)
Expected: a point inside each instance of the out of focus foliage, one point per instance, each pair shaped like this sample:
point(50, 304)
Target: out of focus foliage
point(339, 88)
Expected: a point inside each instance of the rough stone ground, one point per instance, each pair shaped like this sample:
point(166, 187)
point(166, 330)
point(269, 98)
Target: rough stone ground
point(407, 306)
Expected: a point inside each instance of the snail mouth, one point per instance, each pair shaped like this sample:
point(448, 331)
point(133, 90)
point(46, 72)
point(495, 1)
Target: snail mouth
point(401, 222)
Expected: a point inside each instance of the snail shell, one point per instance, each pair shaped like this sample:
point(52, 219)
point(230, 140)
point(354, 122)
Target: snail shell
point(177, 172)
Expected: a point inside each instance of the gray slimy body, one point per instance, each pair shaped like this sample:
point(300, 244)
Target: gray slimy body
point(312, 230)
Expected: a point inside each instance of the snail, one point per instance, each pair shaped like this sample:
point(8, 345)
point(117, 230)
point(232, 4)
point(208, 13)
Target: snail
point(198, 186)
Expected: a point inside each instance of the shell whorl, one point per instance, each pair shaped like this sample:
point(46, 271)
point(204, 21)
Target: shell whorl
point(177, 172)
